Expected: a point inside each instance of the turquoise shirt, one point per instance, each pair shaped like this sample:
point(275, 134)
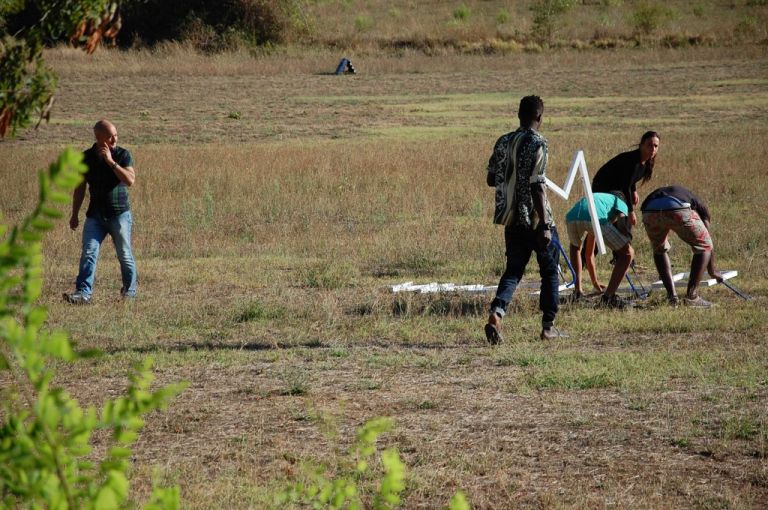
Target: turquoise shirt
point(607, 205)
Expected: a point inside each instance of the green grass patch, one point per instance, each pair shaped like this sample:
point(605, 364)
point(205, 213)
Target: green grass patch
point(633, 371)
point(257, 311)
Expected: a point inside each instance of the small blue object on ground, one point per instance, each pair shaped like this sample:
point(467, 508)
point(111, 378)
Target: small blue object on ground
point(345, 66)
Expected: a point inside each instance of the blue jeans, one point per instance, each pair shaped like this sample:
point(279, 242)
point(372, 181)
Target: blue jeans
point(94, 232)
point(520, 243)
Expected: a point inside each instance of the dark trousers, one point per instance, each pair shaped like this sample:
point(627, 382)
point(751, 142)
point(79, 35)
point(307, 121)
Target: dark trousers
point(520, 244)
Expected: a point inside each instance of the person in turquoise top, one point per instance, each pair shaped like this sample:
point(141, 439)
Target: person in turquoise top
point(612, 212)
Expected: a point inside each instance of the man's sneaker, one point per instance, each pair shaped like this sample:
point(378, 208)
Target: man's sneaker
point(77, 298)
point(697, 302)
point(673, 301)
point(552, 333)
point(614, 301)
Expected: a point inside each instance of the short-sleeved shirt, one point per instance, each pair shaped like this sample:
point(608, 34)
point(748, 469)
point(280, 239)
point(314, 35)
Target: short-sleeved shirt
point(109, 195)
point(519, 159)
point(680, 194)
point(607, 206)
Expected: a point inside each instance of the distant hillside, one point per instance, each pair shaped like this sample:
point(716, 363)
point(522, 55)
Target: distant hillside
point(428, 26)
point(497, 25)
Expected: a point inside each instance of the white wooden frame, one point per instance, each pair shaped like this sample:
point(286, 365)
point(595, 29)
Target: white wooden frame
point(579, 165)
point(681, 280)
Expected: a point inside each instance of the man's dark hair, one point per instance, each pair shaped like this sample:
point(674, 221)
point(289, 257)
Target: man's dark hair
point(531, 108)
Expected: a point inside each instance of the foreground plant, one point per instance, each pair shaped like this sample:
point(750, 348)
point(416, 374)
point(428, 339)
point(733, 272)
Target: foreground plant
point(355, 479)
point(46, 453)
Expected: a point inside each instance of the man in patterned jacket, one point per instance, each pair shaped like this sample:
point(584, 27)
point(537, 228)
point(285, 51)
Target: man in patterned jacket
point(517, 170)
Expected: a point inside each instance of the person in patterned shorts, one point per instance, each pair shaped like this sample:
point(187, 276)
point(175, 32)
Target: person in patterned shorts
point(677, 209)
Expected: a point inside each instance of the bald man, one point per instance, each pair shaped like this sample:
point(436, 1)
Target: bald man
point(110, 174)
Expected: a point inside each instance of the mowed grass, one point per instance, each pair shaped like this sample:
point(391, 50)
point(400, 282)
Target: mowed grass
point(266, 245)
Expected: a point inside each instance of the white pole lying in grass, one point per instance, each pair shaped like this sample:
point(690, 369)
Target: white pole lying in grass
point(579, 165)
point(681, 280)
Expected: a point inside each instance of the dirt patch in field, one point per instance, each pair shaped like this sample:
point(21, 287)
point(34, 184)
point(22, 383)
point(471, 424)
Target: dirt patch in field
point(465, 425)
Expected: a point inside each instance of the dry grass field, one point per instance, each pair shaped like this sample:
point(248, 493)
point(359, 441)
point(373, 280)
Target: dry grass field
point(437, 26)
point(275, 203)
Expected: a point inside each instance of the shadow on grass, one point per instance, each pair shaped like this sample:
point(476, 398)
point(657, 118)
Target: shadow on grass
point(257, 346)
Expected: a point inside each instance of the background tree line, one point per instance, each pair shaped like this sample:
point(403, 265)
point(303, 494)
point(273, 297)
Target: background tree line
point(209, 26)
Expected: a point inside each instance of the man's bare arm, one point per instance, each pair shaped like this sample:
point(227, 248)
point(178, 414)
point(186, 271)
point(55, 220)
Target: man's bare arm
point(538, 193)
point(77, 201)
point(127, 175)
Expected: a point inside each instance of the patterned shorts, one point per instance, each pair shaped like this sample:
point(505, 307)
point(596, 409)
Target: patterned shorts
point(613, 238)
point(686, 223)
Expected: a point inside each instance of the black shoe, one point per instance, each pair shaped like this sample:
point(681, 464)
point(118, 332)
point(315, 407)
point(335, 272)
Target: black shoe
point(572, 298)
point(77, 298)
point(492, 334)
point(615, 302)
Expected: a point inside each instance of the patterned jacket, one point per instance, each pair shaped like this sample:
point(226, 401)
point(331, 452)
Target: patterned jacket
point(519, 159)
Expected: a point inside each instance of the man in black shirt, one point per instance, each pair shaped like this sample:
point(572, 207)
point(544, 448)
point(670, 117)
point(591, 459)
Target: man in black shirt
point(678, 209)
point(110, 173)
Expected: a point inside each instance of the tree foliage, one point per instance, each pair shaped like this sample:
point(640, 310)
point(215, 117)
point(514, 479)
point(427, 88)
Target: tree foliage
point(356, 483)
point(46, 457)
point(647, 17)
point(546, 14)
point(46, 453)
point(345, 490)
point(212, 26)
point(26, 84)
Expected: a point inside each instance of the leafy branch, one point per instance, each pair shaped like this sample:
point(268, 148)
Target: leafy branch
point(26, 84)
point(45, 435)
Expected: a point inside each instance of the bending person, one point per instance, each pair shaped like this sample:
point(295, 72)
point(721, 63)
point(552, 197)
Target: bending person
point(622, 173)
point(678, 209)
point(612, 215)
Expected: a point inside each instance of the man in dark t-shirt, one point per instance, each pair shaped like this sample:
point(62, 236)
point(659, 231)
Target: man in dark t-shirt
point(110, 174)
point(677, 209)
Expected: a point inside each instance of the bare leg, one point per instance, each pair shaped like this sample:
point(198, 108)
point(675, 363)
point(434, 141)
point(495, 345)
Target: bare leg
point(623, 260)
point(698, 264)
point(589, 253)
point(664, 268)
point(575, 253)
